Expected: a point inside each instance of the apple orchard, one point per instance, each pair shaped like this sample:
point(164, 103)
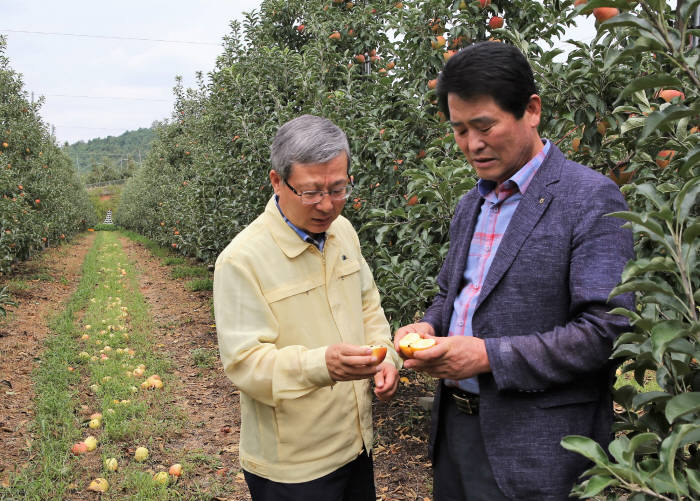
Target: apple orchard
point(624, 103)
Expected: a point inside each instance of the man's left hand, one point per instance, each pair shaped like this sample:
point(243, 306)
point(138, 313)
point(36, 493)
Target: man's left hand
point(386, 381)
point(456, 357)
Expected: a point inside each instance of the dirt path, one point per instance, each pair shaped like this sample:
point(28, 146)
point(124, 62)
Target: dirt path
point(50, 279)
point(184, 333)
point(185, 328)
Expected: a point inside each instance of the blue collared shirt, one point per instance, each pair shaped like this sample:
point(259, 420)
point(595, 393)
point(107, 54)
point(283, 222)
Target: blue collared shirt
point(500, 202)
point(319, 243)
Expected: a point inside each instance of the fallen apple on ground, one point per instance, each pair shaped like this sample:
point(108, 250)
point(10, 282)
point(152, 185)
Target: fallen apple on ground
point(175, 470)
point(140, 454)
point(412, 342)
point(111, 464)
point(91, 443)
point(99, 485)
point(79, 448)
point(161, 478)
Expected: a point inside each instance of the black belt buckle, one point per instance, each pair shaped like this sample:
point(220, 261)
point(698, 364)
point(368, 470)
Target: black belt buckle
point(468, 404)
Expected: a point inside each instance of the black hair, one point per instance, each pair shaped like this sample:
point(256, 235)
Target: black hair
point(492, 69)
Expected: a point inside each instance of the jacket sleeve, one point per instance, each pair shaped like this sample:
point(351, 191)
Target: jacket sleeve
point(247, 331)
point(599, 250)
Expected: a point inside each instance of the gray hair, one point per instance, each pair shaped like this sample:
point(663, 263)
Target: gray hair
point(307, 139)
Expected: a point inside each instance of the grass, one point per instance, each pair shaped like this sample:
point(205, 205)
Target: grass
point(200, 284)
point(205, 358)
point(156, 250)
point(170, 261)
point(103, 334)
point(185, 271)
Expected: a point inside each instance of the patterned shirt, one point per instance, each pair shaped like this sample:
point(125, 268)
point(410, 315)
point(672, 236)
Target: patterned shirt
point(302, 234)
point(500, 202)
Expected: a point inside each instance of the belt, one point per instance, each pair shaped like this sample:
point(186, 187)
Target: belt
point(468, 403)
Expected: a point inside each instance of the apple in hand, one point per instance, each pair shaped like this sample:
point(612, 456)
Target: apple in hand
point(412, 342)
point(379, 352)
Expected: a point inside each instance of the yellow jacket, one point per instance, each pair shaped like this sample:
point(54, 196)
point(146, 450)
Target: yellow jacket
point(279, 302)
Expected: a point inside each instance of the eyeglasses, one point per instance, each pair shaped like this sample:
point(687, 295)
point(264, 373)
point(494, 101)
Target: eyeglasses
point(314, 197)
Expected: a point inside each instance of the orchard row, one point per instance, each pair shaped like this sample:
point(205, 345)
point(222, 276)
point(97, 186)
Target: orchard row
point(42, 202)
point(625, 103)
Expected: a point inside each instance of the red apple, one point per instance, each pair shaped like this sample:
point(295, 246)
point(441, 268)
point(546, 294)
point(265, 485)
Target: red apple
point(605, 13)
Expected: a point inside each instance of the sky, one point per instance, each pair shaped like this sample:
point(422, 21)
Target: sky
point(105, 67)
point(96, 86)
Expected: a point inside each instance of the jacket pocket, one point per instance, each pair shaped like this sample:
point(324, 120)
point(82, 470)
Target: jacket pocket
point(288, 290)
point(348, 267)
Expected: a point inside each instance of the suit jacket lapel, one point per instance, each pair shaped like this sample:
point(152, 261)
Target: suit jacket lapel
point(530, 209)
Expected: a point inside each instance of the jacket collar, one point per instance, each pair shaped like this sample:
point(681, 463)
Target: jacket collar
point(284, 236)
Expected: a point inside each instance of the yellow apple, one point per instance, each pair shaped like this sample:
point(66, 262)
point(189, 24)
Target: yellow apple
point(111, 464)
point(91, 443)
point(99, 485)
point(161, 478)
point(140, 454)
point(404, 344)
point(412, 342)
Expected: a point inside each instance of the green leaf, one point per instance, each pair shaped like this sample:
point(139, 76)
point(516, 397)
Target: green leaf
point(687, 9)
point(682, 404)
point(648, 82)
point(627, 19)
point(638, 441)
point(642, 220)
point(645, 398)
point(586, 447)
point(693, 479)
point(652, 194)
point(691, 233)
point(658, 118)
point(667, 451)
point(687, 198)
point(641, 285)
point(662, 334)
point(597, 483)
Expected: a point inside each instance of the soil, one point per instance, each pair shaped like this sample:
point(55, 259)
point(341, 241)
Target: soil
point(51, 279)
point(184, 323)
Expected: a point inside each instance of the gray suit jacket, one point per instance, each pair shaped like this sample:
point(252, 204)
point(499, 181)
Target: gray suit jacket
point(543, 315)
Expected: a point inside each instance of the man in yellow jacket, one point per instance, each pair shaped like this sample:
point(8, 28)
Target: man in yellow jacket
point(296, 307)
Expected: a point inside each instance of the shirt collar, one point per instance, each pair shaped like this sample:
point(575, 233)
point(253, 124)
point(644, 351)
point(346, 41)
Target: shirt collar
point(518, 181)
point(318, 242)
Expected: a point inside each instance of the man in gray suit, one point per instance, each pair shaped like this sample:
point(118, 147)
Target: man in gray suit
point(521, 323)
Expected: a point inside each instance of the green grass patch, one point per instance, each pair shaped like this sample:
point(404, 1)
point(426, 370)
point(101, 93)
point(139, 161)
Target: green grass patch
point(16, 285)
point(156, 250)
point(200, 284)
point(171, 261)
point(185, 271)
point(104, 334)
point(627, 378)
point(106, 227)
point(204, 357)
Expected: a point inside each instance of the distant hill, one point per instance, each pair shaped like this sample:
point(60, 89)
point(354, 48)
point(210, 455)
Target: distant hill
point(112, 157)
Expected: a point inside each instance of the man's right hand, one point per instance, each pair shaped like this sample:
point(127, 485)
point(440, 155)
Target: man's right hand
point(346, 362)
point(421, 328)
